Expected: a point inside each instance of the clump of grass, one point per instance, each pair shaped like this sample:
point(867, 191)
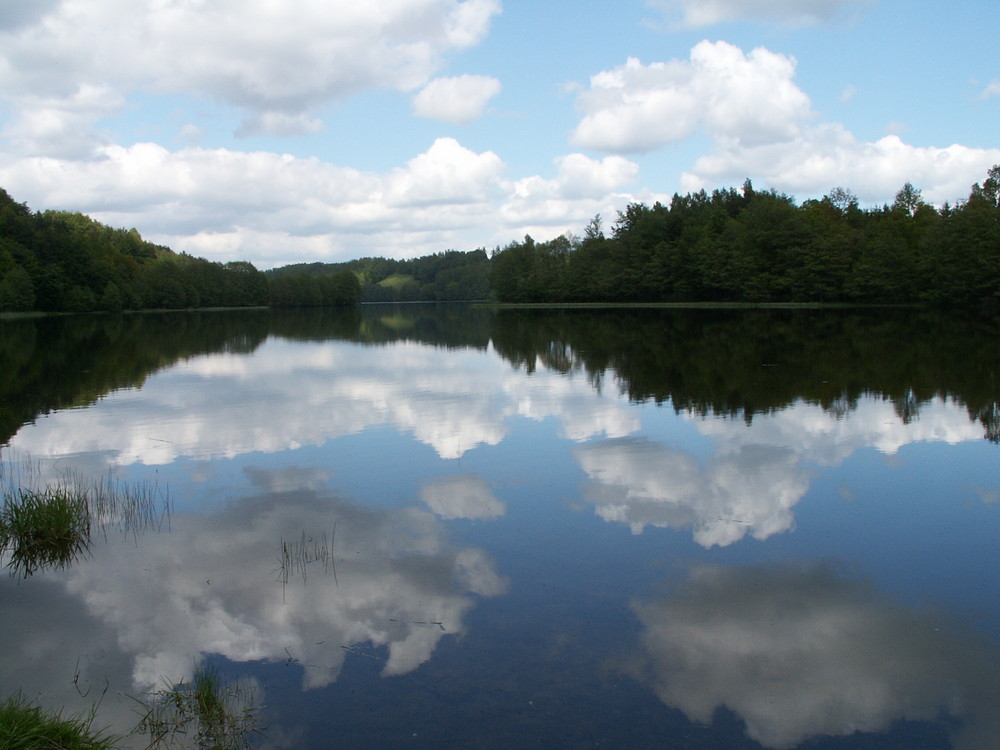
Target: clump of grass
point(211, 714)
point(28, 727)
point(52, 526)
point(44, 528)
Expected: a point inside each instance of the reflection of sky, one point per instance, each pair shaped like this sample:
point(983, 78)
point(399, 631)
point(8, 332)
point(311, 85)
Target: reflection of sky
point(874, 423)
point(213, 585)
point(798, 651)
point(289, 395)
point(642, 483)
point(756, 473)
point(464, 496)
point(430, 443)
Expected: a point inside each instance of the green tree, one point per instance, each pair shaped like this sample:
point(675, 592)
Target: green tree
point(908, 199)
point(111, 298)
point(17, 293)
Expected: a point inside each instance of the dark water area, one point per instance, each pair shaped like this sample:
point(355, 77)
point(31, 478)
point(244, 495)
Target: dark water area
point(447, 526)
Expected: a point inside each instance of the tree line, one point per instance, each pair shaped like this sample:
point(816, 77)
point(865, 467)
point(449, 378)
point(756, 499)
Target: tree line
point(760, 246)
point(447, 276)
point(58, 261)
point(730, 245)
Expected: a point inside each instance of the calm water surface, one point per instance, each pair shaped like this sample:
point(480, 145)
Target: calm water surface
point(438, 527)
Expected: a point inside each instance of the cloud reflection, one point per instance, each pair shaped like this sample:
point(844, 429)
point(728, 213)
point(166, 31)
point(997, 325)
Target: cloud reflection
point(757, 473)
point(799, 651)
point(392, 580)
point(872, 423)
point(642, 483)
point(290, 394)
point(463, 496)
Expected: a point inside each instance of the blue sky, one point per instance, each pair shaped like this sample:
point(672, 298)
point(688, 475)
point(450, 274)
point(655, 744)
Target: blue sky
point(327, 130)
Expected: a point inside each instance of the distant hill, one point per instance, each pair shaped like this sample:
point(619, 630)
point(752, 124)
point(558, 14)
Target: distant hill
point(447, 276)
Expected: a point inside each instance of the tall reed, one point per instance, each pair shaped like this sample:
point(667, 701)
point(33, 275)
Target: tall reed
point(206, 711)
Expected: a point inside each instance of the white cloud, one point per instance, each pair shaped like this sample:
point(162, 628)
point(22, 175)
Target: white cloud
point(761, 125)
point(829, 155)
point(696, 13)
point(227, 205)
point(799, 652)
point(581, 188)
point(992, 89)
point(749, 99)
point(459, 100)
point(62, 127)
point(273, 57)
point(447, 173)
point(276, 209)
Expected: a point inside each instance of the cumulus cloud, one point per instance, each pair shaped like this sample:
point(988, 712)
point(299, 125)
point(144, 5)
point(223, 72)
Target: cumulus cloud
point(829, 154)
point(222, 204)
point(271, 58)
point(747, 98)
point(459, 100)
point(582, 187)
point(62, 127)
point(697, 13)
point(277, 209)
point(446, 173)
point(760, 124)
point(800, 652)
point(462, 496)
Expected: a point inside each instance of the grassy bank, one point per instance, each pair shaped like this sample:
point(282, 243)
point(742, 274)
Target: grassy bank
point(24, 726)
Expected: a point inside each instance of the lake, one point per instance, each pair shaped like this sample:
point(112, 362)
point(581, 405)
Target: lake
point(449, 526)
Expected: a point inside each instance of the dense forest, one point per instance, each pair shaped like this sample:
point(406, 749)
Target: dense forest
point(730, 245)
point(56, 261)
point(760, 246)
point(441, 277)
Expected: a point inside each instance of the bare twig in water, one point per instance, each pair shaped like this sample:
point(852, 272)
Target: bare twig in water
point(419, 622)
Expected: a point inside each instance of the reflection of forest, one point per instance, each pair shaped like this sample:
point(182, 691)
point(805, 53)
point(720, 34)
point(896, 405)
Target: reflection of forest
point(749, 361)
point(54, 363)
point(732, 362)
